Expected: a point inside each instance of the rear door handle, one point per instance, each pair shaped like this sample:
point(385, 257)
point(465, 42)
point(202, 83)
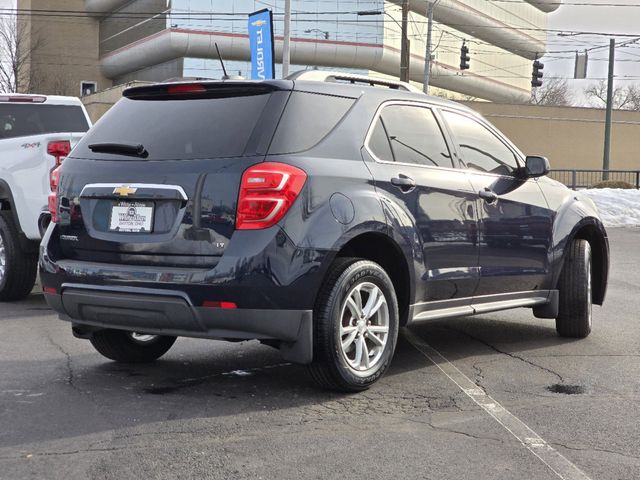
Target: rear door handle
point(488, 195)
point(404, 183)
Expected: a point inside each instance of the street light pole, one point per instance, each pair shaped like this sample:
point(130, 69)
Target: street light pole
point(607, 123)
point(286, 43)
point(427, 54)
point(405, 54)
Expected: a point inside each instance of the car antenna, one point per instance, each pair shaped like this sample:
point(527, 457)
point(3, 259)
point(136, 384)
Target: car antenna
point(224, 70)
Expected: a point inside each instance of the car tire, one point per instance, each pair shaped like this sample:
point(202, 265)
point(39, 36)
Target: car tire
point(575, 306)
point(353, 340)
point(128, 347)
point(18, 268)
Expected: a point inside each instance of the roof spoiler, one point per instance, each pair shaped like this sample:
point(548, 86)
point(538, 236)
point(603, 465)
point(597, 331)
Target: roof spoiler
point(200, 89)
point(328, 76)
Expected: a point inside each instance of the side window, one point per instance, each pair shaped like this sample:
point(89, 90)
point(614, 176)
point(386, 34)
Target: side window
point(414, 136)
point(481, 149)
point(379, 142)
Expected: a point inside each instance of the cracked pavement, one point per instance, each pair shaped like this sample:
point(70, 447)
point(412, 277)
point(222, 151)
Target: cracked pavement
point(219, 410)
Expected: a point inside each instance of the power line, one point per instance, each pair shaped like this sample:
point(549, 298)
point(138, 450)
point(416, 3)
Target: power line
point(226, 16)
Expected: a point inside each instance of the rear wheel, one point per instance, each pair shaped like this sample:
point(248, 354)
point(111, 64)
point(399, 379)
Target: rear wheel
point(356, 326)
point(575, 308)
point(130, 347)
point(17, 268)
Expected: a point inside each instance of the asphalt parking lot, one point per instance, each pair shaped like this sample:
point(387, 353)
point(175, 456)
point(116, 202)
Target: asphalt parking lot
point(218, 410)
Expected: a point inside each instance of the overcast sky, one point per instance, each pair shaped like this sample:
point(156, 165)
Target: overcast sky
point(608, 19)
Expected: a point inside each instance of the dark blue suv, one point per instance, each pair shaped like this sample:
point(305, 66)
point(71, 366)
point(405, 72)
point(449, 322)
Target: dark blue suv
point(317, 216)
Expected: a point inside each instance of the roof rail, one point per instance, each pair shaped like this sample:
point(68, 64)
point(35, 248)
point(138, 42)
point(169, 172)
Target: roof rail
point(328, 76)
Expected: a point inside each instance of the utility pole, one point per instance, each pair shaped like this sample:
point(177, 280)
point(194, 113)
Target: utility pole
point(405, 54)
point(607, 123)
point(286, 43)
point(427, 54)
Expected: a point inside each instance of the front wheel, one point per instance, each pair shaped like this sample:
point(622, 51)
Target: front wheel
point(356, 326)
point(130, 347)
point(575, 306)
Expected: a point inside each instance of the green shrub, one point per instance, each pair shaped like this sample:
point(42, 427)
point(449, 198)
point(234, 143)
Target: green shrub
point(612, 184)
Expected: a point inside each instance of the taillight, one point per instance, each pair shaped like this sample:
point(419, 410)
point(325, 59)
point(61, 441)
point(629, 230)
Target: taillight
point(267, 192)
point(185, 88)
point(54, 180)
point(59, 150)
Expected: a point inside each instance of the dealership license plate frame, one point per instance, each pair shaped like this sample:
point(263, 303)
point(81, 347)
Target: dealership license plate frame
point(119, 207)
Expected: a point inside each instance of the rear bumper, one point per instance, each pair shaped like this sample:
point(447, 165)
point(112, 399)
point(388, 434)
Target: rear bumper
point(166, 312)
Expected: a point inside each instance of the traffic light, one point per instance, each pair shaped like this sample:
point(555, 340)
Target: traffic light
point(464, 57)
point(536, 76)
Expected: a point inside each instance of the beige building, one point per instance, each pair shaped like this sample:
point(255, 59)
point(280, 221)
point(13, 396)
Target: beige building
point(100, 43)
point(572, 138)
point(64, 56)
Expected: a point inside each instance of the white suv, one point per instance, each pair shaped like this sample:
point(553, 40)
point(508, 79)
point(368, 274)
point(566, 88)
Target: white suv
point(36, 133)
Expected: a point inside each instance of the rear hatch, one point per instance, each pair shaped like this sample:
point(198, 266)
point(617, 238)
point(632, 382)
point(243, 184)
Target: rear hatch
point(156, 181)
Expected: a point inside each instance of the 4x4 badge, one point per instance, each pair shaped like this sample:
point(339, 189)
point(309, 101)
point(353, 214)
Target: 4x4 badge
point(124, 190)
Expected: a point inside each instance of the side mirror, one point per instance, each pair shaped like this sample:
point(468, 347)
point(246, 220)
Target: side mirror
point(536, 167)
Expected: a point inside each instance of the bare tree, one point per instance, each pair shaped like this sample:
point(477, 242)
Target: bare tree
point(16, 47)
point(56, 82)
point(624, 97)
point(554, 91)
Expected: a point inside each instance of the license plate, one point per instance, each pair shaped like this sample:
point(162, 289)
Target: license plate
point(131, 217)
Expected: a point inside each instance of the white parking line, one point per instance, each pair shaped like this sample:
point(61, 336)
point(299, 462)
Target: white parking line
point(553, 459)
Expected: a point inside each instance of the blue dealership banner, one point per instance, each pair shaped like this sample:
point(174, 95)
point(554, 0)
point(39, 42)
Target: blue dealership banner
point(261, 41)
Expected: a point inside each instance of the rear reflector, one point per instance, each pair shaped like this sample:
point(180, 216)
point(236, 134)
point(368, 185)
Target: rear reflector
point(186, 88)
point(267, 192)
point(225, 305)
point(50, 290)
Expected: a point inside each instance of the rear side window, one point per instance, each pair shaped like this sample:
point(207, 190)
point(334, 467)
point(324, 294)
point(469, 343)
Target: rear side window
point(307, 119)
point(178, 129)
point(414, 137)
point(379, 142)
point(22, 120)
point(481, 149)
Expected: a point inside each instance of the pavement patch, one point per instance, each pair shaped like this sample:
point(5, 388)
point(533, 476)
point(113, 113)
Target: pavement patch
point(553, 459)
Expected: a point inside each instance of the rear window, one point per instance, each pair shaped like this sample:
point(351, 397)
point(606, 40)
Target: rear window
point(23, 120)
point(178, 129)
point(307, 119)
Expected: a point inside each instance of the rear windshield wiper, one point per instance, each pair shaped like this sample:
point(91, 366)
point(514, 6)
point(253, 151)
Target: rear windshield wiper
point(120, 149)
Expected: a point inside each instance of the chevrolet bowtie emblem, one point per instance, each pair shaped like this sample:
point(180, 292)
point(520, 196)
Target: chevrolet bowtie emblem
point(124, 190)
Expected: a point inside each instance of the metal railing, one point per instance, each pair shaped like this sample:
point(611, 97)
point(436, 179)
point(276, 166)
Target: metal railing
point(576, 179)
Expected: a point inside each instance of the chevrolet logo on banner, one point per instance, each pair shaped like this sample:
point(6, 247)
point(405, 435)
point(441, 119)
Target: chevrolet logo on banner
point(124, 191)
point(260, 25)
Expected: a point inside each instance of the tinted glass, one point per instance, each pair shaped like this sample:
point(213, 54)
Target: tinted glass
point(307, 119)
point(416, 136)
point(178, 129)
point(21, 120)
point(481, 149)
point(379, 143)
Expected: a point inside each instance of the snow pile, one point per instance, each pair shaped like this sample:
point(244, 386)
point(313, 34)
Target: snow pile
point(618, 207)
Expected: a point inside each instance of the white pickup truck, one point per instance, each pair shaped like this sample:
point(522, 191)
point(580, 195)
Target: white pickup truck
point(36, 133)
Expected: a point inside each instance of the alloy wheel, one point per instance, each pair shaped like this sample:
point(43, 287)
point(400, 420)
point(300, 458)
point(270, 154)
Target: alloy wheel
point(364, 328)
